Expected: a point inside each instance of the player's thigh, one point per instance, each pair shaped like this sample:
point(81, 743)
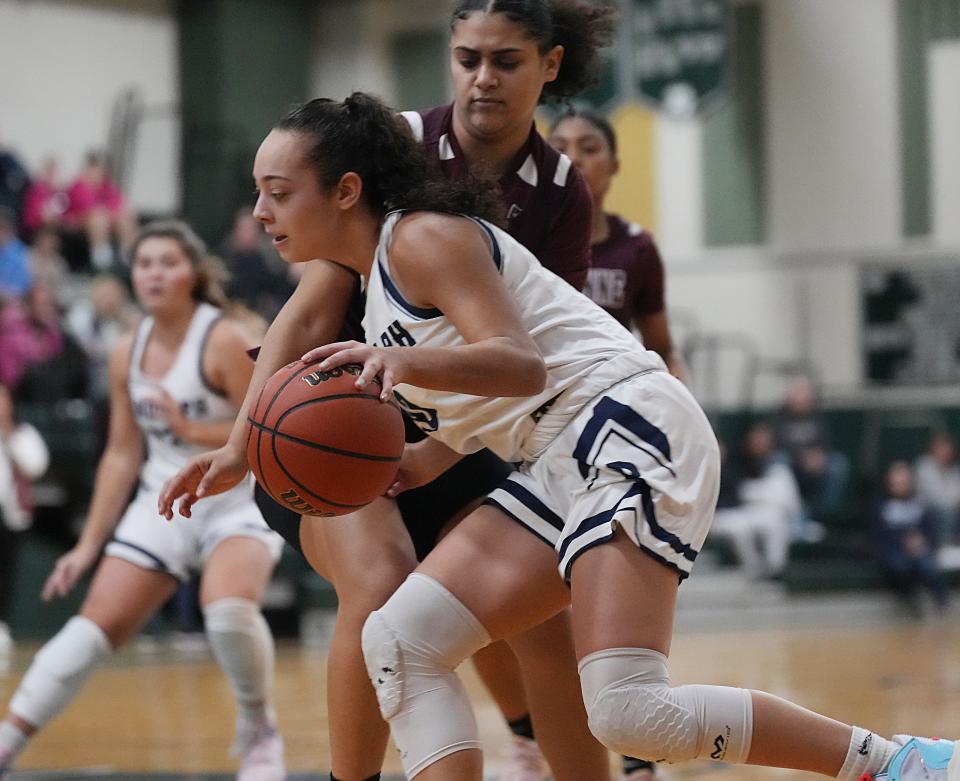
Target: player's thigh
point(366, 554)
point(123, 596)
point(237, 566)
point(505, 575)
point(623, 597)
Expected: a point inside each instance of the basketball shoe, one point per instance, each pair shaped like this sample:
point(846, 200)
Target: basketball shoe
point(921, 759)
point(525, 762)
point(260, 747)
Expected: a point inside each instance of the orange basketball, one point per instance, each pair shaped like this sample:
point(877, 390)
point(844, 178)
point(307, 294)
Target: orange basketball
point(318, 444)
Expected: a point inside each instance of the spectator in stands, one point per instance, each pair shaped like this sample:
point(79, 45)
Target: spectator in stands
point(58, 372)
point(98, 209)
point(14, 181)
point(24, 339)
point(46, 200)
point(758, 504)
point(14, 263)
point(48, 267)
point(802, 435)
point(905, 535)
point(23, 458)
point(938, 484)
point(255, 281)
point(96, 322)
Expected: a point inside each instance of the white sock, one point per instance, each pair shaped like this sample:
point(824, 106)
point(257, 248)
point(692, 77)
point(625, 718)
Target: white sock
point(868, 753)
point(243, 647)
point(59, 670)
point(12, 741)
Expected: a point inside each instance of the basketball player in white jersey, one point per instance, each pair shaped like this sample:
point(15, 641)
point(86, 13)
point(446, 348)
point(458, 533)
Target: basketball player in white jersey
point(620, 468)
point(176, 383)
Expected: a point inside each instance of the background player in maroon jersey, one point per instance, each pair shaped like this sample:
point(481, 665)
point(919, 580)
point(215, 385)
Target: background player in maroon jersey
point(626, 277)
point(506, 55)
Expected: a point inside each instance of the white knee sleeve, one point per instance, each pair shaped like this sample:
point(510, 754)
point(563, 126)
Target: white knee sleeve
point(59, 670)
point(633, 710)
point(243, 647)
point(412, 646)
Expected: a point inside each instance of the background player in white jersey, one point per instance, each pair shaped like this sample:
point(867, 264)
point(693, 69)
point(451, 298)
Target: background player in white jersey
point(175, 386)
point(505, 57)
point(621, 470)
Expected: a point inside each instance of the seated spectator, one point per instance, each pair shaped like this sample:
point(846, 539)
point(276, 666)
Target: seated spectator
point(29, 333)
point(48, 267)
point(758, 504)
point(23, 458)
point(257, 283)
point(14, 263)
point(60, 373)
point(905, 536)
point(98, 209)
point(96, 322)
point(938, 484)
point(14, 181)
point(46, 200)
point(802, 435)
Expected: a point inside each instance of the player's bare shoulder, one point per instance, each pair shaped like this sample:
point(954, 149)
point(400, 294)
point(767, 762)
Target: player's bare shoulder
point(432, 239)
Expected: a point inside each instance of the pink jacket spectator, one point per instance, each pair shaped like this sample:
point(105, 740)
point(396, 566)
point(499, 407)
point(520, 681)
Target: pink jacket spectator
point(84, 196)
point(23, 341)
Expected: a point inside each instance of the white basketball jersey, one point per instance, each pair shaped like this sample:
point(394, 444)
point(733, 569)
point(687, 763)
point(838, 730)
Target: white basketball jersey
point(185, 383)
point(585, 350)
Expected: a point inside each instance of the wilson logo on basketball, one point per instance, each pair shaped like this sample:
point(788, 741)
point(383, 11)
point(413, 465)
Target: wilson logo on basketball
point(315, 378)
point(301, 505)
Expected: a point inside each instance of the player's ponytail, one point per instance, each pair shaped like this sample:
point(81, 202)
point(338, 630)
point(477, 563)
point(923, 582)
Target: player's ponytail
point(366, 137)
point(580, 26)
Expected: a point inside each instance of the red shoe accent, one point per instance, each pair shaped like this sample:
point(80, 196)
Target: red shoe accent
point(866, 777)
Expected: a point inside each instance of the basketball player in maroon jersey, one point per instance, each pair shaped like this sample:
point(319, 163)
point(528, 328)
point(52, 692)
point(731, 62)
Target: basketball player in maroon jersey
point(626, 277)
point(506, 56)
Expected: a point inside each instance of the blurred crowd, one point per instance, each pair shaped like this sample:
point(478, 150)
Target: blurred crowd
point(65, 298)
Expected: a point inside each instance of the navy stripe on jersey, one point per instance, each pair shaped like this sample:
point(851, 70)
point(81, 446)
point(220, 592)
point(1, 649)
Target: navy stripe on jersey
point(203, 350)
point(414, 311)
point(161, 564)
point(497, 257)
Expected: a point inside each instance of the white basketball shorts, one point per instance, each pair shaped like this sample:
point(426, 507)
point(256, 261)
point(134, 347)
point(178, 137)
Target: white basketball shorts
point(641, 456)
point(182, 546)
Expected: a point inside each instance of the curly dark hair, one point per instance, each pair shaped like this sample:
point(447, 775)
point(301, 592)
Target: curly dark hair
point(363, 135)
point(580, 26)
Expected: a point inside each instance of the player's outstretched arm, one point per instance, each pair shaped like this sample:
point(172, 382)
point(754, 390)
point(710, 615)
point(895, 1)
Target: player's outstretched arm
point(117, 474)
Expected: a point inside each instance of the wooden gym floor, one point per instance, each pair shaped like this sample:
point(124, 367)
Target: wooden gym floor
point(169, 716)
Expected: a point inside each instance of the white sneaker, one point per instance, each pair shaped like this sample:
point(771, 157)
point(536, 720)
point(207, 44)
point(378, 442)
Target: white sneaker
point(261, 748)
point(922, 759)
point(525, 762)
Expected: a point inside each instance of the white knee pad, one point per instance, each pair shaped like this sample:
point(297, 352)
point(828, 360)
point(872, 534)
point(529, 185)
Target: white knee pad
point(243, 647)
point(59, 670)
point(412, 646)
point(633, 710)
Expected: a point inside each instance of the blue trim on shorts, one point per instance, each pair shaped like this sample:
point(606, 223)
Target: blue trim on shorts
point(532, 503)
point(606, 517)
point(494, 503)
point(658, 531)
point(607, 409)
point(161, 564)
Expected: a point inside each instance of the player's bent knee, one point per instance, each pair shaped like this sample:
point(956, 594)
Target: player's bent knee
point(417, 690)
point(632, 710)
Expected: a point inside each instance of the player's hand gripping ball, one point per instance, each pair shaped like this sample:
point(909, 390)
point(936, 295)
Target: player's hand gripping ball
point(318, 444)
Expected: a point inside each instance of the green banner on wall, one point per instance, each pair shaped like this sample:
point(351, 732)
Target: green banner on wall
point(679, 53)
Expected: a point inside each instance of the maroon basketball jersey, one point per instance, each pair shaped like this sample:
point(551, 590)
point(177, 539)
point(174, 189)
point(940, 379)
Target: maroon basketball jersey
point(548, 203)
point(626, 277)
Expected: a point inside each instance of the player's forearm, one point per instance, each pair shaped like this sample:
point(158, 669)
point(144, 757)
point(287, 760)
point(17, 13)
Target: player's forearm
point(213, 435)
point(492, 367)
point(117, 474)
